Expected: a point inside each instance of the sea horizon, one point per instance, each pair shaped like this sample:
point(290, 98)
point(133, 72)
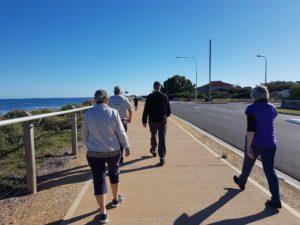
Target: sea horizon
point(12, 104)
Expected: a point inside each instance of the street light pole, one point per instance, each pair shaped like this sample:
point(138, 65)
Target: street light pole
point(196, 65)
point(266, 66)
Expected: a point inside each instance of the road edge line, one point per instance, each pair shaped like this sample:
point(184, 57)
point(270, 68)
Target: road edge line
point(281, 175)
point(76, 202)
point(285, 205)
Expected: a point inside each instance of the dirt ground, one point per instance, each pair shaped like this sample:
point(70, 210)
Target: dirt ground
point(59, 182)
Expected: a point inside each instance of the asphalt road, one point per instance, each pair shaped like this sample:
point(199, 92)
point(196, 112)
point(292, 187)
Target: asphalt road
point(228, 122)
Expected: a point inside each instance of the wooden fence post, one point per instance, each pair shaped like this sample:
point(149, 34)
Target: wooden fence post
point(28, 129)
point(74, 133)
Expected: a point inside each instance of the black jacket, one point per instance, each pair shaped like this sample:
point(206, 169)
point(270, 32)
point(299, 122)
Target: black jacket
point(157, 106)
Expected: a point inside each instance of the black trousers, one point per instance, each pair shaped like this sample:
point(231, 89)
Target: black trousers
point(97, 165)
point(161, 129)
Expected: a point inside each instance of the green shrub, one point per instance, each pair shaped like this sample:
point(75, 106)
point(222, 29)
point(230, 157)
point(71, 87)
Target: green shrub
point(295, 92)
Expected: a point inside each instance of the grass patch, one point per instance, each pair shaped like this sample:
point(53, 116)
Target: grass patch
point(289, 111)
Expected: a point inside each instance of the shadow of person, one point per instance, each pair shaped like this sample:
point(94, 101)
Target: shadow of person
point(202, 215)
point(78, 218)
point(267, 212)
point(135, 160)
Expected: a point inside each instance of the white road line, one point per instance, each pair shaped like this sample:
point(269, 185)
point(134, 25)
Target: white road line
point(296, 121)
point(76, 202)
point(293, 211)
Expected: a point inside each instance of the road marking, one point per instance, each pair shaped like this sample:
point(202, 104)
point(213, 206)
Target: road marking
point(76, 202)
point(296, 121)
point(290, 209)
point(226, 117)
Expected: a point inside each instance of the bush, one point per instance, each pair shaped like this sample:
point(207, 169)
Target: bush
point(186, 95)
point(295, 93)
point(15, 114)
point(56, 123)
point(69, 107)
point(87, 103)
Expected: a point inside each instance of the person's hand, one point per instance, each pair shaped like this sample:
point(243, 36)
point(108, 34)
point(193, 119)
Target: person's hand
point(127, 152)
point(250, 152)
point(128, 120)
point(144, 124)
point(165, 118)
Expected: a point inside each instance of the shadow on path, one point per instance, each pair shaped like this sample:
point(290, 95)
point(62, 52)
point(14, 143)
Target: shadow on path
point(64, 177)
point(144, 157)
point(202, 215)
point(267, 212)
point(78, 218)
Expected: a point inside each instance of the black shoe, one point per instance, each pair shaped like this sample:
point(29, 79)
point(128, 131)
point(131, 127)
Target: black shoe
point(162, 162)
point(236, 180)
point(153, 152)
point(115, 203)
point(273, 204)
point(103, 218)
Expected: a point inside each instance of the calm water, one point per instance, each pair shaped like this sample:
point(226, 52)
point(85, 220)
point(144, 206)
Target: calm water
point(7, 105)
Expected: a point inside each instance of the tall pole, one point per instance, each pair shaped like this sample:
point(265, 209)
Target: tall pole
point(196, 94)
point(196, 65)
point(266, 65)
point(209, 87)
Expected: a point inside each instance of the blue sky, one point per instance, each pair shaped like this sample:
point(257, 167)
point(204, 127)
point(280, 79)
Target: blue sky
point(70, 48)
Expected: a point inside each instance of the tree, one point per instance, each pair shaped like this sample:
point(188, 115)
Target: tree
point(295, 92)
point(280, 85)
point(177, 84)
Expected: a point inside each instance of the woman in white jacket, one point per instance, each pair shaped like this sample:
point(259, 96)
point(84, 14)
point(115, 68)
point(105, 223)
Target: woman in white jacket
point(103, 134)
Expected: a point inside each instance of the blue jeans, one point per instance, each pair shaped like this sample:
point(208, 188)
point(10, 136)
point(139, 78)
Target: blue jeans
point(267, 157)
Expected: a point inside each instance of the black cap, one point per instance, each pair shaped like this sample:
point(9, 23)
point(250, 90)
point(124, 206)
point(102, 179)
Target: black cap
point(156, 84)
point(100, 95)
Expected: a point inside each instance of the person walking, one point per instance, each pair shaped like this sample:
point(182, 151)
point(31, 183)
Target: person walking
point(156, 111)
point(261, 140)
point(122, 104)
point(136, 103)
point(102, 134)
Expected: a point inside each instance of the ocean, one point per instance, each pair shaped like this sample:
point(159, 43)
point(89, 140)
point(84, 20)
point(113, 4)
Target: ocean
point(7, 105)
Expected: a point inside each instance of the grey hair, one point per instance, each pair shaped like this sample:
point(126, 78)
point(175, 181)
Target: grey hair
point(260, 92)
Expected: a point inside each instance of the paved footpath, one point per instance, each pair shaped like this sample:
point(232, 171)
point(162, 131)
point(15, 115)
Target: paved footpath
point(194, 187)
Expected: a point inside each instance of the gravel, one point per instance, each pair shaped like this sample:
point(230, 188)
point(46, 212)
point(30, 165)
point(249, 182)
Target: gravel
point(60, 179)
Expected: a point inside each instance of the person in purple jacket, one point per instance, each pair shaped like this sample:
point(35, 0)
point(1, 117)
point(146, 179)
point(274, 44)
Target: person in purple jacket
point(261, 140)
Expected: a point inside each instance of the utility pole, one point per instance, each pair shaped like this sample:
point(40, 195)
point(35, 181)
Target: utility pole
point(209, 87)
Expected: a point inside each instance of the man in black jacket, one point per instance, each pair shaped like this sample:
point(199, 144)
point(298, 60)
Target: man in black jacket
point(157, 108)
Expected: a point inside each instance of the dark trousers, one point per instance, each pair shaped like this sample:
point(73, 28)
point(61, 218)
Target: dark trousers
point(161, 128)
point(124, 122)
point(97, 165)
point(267, 157)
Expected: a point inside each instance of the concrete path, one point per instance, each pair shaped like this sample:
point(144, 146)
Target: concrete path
point(194, 187)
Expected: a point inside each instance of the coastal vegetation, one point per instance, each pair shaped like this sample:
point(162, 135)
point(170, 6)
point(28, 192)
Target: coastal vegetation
point(52, 137)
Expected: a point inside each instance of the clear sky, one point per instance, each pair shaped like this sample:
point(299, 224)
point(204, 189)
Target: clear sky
point(70, 48)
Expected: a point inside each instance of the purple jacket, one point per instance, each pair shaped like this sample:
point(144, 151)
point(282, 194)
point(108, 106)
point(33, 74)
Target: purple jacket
point(264, 113)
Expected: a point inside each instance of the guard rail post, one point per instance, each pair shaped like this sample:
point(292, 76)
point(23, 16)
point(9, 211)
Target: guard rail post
point(74, 133)
point(28, 129)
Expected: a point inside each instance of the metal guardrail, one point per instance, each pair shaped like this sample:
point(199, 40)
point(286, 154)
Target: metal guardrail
point(28, 136)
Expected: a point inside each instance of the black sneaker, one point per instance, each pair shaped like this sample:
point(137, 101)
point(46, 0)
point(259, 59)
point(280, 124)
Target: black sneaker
point(276, 205)
point(116, 203)
point(236, 180)
point(162, 162)
point(153, 152)
point(103, 218)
